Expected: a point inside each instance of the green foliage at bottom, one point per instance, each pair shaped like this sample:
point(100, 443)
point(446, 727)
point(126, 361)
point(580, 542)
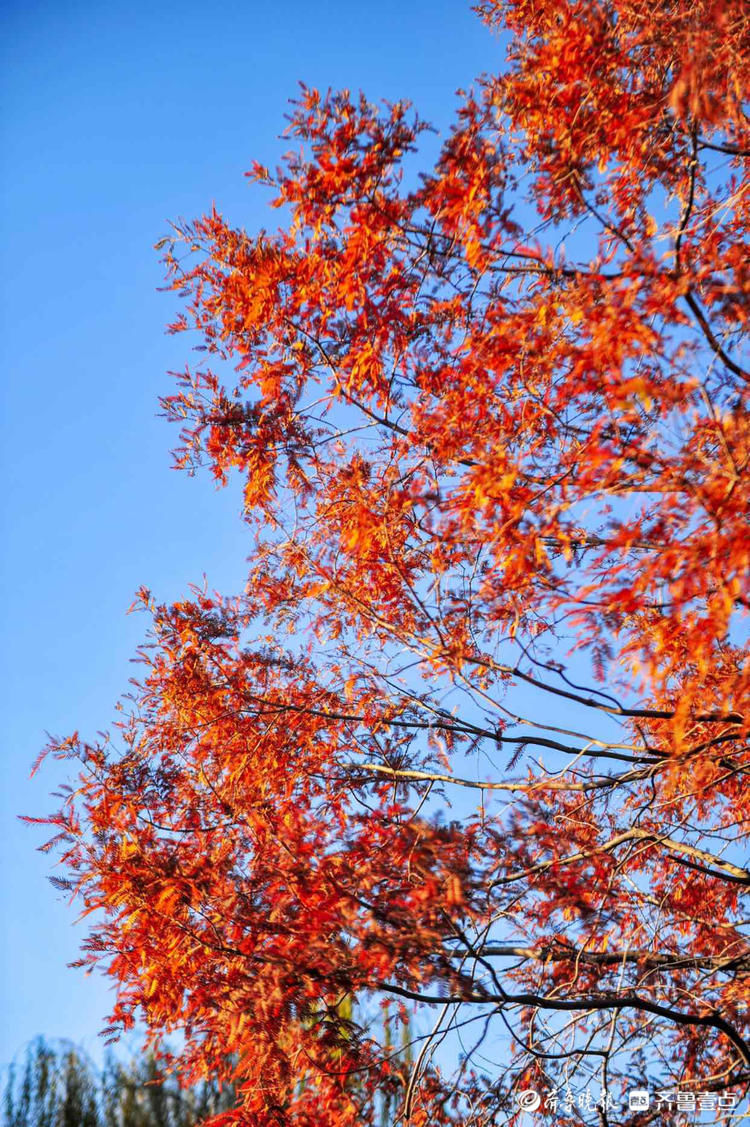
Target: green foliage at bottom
point(60, 1087)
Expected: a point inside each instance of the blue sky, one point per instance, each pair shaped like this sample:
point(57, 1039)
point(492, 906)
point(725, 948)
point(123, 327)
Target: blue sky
point(117, 118)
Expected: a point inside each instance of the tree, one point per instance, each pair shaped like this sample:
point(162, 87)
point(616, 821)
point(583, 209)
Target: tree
point(474, 738)
point(55, 1089)
point(59, 1087)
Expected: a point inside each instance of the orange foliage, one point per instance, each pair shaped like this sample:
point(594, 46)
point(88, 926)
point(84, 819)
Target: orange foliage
point(475, 735)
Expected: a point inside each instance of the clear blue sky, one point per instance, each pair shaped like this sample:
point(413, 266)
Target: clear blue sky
point(116, 118)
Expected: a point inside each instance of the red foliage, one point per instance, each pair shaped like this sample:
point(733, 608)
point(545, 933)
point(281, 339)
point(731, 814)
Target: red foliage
point(475, 735)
